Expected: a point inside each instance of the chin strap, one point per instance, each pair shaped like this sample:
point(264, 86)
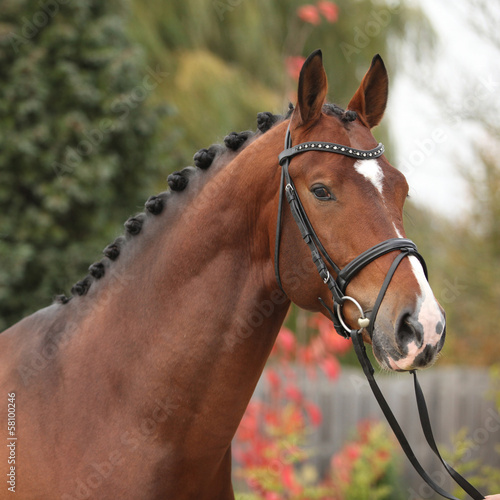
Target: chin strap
point(359, 348)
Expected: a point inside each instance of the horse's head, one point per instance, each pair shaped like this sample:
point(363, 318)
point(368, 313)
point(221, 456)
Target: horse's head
point(354, 204)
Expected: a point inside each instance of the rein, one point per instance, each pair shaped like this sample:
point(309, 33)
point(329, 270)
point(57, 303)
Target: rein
point(338, 287)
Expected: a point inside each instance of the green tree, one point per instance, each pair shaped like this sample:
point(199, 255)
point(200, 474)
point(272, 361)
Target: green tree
point(78, 108)
point(227, 59)
point(77, 149)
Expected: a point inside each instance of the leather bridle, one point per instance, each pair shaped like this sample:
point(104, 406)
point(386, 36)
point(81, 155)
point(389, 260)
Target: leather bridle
point(319, 254)
point(338, 286)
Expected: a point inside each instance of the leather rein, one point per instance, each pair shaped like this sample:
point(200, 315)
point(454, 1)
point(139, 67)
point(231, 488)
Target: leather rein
point(338, 285)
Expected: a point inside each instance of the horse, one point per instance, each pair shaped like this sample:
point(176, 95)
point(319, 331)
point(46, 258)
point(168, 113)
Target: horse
point(134, 386)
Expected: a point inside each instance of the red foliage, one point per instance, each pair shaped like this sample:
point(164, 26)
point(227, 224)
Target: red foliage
point(292, 392)
point(314, 413)
point(312, 13)
point(331, 367)
point(309, 14)
point(329, 10)
point(266, 441)
point(294, 65)
point(273, 379)
point(332, 340)
point(286, 341)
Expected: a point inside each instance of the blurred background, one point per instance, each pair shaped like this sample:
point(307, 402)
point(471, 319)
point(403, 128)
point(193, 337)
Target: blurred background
point(100, 101)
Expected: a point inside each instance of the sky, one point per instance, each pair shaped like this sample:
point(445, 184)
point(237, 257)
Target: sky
point(431, 141)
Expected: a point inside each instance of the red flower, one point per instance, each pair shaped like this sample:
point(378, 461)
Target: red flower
point(353, 451)
point(338, 344)
point(274, 379)
point(288, 480)
point(309, 14)
point(287, 477)
point(294, 65)
point(331, 367)
point(248, 428)
point(306, 355)
point(341, 468)
point(271, 495)
point(329, 10)
point(364, 430)
point(314, 413)
point(332, 340)
point(286, 340)
point(383, 456)
point(293, 392)
point(272, 418)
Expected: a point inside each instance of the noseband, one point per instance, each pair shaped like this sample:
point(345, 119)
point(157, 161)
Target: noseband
point(338, 286)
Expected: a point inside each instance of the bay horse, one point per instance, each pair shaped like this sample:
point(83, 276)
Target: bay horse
point(133, 388)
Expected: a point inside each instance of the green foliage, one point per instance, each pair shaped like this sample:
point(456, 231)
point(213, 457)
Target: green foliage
point(464, 275)
point(80, 105)
point(368, 466)
point(246, 44)
point(270, 447)
point(76, 149)
point(485, 477)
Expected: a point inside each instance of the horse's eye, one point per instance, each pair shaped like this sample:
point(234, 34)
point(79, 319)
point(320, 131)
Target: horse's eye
point(322, 193)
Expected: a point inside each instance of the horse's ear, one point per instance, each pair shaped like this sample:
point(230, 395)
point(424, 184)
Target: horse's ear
point(370, 99)
point(311, 95)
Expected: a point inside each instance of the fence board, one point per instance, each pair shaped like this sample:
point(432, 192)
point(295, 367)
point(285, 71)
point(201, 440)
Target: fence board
point(456, 397)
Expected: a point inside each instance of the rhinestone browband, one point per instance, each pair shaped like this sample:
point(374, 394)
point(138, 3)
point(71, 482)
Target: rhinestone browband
point(331, 147)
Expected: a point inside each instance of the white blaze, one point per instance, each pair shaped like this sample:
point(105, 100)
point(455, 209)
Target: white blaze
point(371, 171)
point(429, 314)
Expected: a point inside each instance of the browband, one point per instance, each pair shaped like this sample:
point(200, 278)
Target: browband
point(331, 147)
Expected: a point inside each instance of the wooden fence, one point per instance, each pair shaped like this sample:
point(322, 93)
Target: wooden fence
point(456, 397)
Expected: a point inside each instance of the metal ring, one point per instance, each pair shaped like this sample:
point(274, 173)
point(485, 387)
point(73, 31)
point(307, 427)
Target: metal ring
point(361, 323)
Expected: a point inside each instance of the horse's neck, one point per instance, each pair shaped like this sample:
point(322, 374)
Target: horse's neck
point(196, 323)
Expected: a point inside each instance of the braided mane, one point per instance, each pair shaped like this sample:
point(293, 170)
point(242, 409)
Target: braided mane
point(214, 157)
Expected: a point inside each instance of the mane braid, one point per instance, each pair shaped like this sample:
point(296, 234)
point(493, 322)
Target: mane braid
point(134, 224)
point(219, 154)
point(155, 204)
point(97, 270)
point(334, 110)
point(178, 181)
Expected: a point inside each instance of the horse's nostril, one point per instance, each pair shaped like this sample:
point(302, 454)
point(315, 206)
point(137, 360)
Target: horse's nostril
point(408, 330)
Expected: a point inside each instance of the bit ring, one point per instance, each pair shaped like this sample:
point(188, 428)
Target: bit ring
point(363, 321)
